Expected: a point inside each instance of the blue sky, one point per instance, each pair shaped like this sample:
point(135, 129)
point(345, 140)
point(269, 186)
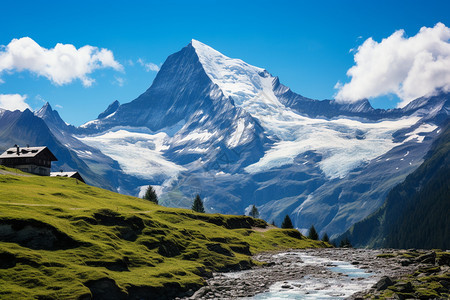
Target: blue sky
point(306, 43)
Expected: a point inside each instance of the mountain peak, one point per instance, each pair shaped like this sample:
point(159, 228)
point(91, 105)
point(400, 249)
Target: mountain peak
point(236, 78)
point(112, 108)
point(50, 116)
point(45, 109)
point(201, 47)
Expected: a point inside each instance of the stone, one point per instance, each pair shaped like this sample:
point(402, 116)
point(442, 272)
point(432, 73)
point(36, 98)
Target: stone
point(405, 262)
point(404, 287)
point(383, 283)
point(427, 258)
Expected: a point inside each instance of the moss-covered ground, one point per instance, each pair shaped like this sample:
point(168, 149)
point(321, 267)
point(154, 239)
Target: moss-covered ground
point(430, 281)
point(62, 239)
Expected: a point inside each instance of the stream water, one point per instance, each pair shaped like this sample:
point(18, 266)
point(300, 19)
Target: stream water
point(349, 280)
point(335, 273)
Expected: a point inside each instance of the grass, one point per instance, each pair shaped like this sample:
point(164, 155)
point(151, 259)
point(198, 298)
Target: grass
point(62, 239)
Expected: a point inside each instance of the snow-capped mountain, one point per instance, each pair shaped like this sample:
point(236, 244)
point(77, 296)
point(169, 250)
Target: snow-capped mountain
point(217, 126)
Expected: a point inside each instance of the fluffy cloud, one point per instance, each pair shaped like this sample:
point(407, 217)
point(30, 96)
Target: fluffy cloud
point(61, 64)
point(148, 66)
point(13, 102)
point(408, 67)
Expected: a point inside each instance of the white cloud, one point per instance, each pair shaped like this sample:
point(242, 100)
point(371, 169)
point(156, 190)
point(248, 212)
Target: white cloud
point(61, 64)
point(409, 67)
point(58, 106)
point(119, 81)
point(148, 66)
point(13, 102)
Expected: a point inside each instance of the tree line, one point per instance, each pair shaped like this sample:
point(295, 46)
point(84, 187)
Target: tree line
point(198, 206)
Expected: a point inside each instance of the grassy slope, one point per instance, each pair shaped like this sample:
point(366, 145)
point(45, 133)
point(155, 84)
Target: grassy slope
point(58, 237)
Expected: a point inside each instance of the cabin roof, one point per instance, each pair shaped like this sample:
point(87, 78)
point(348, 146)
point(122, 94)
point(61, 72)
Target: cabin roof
point(72, 174)
point(27, 152)
point(63, 174)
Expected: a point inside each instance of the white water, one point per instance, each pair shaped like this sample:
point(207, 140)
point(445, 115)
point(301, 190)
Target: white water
point(318, 287)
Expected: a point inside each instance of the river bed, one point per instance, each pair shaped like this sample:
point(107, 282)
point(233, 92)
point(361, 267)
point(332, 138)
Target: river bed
point(303, 274)
point(351, 279)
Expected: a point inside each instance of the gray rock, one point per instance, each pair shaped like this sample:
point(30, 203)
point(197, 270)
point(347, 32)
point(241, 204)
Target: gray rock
point(383, 283)
point(428, 258)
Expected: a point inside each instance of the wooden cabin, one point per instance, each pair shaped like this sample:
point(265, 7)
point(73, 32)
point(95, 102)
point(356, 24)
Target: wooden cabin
point(34, 160)
point(73, 174)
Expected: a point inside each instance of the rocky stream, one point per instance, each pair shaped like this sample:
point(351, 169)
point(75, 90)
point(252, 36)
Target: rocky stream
point(335, 274)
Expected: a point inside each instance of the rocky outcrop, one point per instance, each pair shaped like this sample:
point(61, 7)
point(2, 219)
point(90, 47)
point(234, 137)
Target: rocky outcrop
point(35, 235)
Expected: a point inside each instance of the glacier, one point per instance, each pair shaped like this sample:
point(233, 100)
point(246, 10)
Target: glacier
point(252, 89)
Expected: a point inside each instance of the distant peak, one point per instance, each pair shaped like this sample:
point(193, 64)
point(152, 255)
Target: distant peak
point(46, 106)
point(45, 109)
point(27, 112)
point(109, 110)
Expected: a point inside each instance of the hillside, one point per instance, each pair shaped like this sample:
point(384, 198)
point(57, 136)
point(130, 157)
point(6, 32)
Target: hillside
point(415, 213)
point(63, 239)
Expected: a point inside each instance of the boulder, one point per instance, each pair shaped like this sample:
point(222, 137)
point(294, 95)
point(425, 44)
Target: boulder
point(427, 258)
point(383, 283)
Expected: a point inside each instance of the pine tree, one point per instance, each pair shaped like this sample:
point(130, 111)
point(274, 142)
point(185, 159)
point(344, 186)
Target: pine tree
point(198, 204)
point(150, 195)
point(345, 243)
point(254, 212)
point(312, 234)
point(287, 223)
point(273, 223)
point(325, 238)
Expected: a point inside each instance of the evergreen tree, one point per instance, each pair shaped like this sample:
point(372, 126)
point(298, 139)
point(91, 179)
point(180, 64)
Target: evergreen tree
point(150, 195)
point(287, 223)
point(312, 234)
point(273, 223)
point(325, 238)
point(254, 212)
point(198, 204)
point(345, 243)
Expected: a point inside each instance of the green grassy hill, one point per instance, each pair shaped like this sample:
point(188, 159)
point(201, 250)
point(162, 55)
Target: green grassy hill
point(61, 239)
